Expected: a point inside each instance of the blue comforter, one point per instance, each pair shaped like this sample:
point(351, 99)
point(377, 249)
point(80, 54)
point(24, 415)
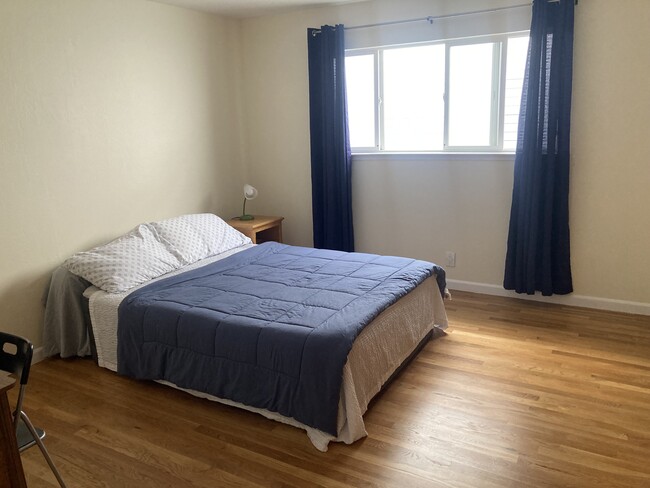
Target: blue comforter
point(270, 327)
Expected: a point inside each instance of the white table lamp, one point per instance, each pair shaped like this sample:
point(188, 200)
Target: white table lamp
point(250, 192)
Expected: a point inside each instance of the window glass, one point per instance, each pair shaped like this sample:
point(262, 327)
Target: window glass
point(515, 68)
point(470, 94)
point(414, 84)
point(360, 81)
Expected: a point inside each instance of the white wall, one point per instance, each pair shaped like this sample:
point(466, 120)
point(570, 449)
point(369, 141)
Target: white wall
point(114, 112)
point(425, 208)
point(610, 168)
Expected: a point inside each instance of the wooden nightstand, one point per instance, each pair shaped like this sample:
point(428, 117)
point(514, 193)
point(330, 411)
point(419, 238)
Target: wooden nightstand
point(261, 229)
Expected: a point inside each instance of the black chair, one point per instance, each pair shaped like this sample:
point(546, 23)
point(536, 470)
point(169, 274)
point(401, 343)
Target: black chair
point(16, 359)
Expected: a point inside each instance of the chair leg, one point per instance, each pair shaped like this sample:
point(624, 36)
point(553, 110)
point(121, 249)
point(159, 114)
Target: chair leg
point(41, 446)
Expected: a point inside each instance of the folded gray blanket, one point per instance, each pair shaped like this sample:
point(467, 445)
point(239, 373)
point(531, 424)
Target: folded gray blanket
point(65, 330)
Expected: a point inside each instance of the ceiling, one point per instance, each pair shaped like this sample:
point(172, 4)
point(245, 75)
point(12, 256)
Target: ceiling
point(249, 8)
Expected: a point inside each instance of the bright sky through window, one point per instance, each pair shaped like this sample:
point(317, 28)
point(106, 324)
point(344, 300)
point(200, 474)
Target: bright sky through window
point(460, 95)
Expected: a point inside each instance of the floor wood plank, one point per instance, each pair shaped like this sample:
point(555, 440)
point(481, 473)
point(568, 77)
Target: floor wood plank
point(517, 393)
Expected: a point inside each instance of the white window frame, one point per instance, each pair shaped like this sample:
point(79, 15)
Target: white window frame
point(499, 60)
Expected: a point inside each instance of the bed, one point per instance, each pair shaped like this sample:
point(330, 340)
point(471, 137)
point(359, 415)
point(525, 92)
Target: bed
point(380, 341)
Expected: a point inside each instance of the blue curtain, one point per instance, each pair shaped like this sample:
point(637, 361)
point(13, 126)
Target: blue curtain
point(538, 256)
point(330, 142)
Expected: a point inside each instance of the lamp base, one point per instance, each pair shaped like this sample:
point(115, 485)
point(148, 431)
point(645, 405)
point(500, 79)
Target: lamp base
point(247, 217)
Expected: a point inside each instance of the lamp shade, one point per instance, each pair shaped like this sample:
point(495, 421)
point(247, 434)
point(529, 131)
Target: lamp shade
point(250, 192)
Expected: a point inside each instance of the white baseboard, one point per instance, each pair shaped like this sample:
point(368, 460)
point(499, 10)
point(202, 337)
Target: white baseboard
point(38, 355)
point(638, 308)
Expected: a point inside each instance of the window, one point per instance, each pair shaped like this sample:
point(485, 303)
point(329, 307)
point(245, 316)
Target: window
point(458, 95)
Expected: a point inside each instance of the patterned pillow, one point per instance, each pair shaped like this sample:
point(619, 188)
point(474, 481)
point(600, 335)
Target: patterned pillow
point(198, 236)
point(126, 262)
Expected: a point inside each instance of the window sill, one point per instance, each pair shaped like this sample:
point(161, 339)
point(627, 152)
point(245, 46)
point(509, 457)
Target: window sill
point(434, 156)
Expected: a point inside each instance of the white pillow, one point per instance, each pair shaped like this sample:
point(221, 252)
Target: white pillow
point(198, 236)
point(126, 262)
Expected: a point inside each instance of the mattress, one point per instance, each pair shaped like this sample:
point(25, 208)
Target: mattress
point(377, 352)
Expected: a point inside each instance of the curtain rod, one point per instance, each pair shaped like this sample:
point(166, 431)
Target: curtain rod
point(431, 18)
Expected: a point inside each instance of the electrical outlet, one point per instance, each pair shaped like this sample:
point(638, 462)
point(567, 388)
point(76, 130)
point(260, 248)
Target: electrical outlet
point(451, 259)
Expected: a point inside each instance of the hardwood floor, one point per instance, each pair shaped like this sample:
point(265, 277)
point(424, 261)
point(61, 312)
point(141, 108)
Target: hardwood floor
point(516, 394)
